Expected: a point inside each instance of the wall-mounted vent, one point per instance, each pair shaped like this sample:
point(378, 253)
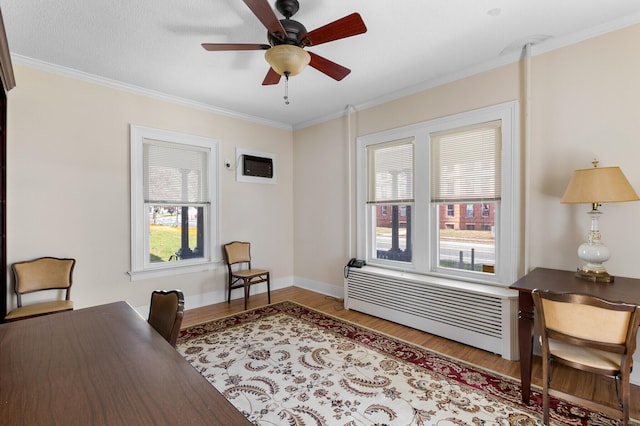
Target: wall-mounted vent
point(255, 167)
point(478, 315)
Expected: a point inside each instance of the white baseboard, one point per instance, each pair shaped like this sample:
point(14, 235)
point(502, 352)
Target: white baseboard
point(320, 287)
point(219, 296)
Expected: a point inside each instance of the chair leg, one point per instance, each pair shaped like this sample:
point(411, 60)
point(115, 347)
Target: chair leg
point(625, 397)
point(546, 380)
point(229, 292)
point(268, 288)
point(246, 293)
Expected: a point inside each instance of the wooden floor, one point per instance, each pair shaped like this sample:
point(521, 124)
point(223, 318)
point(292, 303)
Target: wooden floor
point(570, 381)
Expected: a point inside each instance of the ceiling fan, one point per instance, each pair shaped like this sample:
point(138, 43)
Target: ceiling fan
point(287, 39)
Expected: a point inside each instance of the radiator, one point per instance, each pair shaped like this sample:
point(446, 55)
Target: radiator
point(478, 315)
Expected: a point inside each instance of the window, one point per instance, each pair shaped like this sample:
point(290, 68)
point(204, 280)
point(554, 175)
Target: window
point(469, 210)
point(390, 186)
point(450, 211)
point(454, 164)
point(465, 167)
point(173, 202)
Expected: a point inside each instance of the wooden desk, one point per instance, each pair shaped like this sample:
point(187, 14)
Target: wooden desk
point(622, 289)
point(101, 366)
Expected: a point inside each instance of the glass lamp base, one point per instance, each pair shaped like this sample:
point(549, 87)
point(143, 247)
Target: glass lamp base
point(594, 253)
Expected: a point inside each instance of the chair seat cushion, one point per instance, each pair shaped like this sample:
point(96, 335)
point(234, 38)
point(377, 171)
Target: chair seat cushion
point(37, 309)
point(587, 356)
point(245, 273)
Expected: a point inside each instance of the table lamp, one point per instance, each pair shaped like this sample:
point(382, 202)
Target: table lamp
point(595, 186)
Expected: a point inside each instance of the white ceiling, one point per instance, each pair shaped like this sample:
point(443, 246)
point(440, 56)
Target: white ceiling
point(410, 44)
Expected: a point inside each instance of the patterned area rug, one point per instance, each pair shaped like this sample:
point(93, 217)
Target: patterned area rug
point(288, 364)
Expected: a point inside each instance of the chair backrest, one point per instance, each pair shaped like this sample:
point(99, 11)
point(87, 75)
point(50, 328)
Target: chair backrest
point(237, 252)
point(44, 273)
point(586, 320)
point(166, 313)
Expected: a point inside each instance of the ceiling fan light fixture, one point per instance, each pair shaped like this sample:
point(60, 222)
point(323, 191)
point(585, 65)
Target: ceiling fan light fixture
point(287, 58)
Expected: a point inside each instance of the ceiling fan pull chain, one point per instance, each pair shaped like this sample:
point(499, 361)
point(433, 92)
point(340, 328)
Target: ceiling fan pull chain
point(286, 88)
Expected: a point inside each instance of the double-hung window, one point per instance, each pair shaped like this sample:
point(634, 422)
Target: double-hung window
point(466, 169)
point(390, 189)
point(173, 201)
point(456, 179)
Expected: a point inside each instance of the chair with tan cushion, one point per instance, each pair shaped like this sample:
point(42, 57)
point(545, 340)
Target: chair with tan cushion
point(166, 313)
point(45, 274)
point(590, 334)
point(240, 272)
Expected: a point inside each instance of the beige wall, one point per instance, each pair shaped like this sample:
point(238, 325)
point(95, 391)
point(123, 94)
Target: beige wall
point(583, 105)
point(68, 186)
point(320, 204)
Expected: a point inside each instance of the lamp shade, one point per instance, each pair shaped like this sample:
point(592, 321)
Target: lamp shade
point(286, 58)
point(599, 185)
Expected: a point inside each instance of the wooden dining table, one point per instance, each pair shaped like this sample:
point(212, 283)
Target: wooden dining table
point(102, 365)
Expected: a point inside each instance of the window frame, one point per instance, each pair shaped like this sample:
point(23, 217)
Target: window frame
point(424, 211)
point(141, 268)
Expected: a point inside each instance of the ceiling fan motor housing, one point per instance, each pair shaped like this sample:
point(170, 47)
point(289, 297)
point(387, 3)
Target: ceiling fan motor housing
point(294, 31)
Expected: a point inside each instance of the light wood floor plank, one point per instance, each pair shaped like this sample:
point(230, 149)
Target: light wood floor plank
point(570, 381)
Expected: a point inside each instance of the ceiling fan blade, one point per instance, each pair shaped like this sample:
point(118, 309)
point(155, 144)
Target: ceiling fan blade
point(234, 46)
point(267, 16)
point(333, 70)
point(345, 27)
point(271, 78)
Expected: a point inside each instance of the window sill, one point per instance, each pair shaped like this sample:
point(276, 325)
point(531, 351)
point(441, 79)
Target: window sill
point(172, 270)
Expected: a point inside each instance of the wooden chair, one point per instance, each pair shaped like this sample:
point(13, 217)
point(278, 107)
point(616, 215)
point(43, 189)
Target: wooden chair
point(590, 334)
point(39, 275)
point(238, 255)
point(166, 313)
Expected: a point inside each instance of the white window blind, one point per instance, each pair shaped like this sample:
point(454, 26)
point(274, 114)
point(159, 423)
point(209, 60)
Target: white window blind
point(390, 166)
point(466, 165)
point(175, 174)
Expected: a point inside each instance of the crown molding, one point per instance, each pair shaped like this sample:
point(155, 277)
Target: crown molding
point(114, 84)
point(579, 36)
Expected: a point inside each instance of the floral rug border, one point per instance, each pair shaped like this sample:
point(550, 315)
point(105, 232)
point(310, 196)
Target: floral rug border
point(505, 388)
